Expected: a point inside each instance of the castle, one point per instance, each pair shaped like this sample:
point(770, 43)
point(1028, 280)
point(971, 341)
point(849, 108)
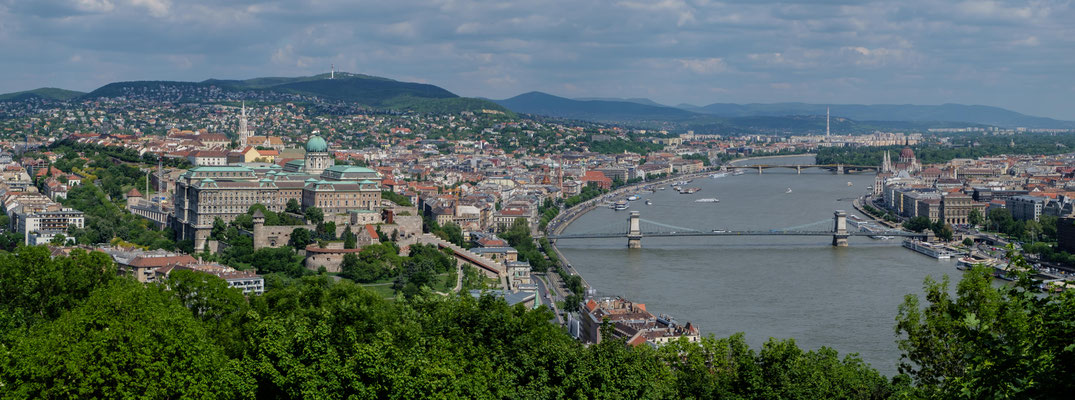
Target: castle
point(206, 193)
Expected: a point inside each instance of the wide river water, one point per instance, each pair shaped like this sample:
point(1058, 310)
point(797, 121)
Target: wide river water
point(765, 286)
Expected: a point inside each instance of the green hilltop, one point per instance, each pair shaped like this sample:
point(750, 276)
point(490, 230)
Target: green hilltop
point(372, 91)
point(43, 93)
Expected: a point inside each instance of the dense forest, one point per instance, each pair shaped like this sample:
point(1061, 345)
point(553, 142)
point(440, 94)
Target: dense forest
point(73, 329)
point(958, 146)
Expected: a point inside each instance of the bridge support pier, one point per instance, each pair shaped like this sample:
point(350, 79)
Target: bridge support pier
point(799, 169)
point(840, 169)
point(759, 170)
point(839, 229)
point(634, 231)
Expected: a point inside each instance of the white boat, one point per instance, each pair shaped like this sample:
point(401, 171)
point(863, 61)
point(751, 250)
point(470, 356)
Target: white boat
point(648, 202)
point(662, 188)
point(929, 249)
point(788, 191)
point(620, 205)
point(633, 197)
point(850, 184)
point(737, 172)
point(718, 175)
point(708, 200)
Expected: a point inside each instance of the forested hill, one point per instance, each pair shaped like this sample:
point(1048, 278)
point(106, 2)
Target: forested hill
point(71, 328)
point(41, 93)
point(593, 110)
point(344, 87)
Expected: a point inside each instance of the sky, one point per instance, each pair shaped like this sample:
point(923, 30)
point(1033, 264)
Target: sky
point(1018, 55)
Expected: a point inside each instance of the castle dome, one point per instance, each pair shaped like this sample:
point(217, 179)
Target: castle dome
point(316, 144)
point(907, 153)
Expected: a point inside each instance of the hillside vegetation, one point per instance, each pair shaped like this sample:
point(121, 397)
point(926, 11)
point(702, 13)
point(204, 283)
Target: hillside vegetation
point(70, 328)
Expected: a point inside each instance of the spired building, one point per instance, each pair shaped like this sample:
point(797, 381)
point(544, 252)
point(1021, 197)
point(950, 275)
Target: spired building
point(906, 166)
point(204, 194)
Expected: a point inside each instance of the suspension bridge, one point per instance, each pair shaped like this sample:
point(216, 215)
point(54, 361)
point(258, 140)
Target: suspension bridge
point(837, 168)
point(637, 228)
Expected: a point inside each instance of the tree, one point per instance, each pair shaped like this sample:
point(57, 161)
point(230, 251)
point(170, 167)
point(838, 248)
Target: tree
point(918, 224)
point(999, 218)
point(278, 260)
point(451, 233)
point(975, 217)
point(58, 240)
point(326, 230)
point(35, 287)
point(350, 240)
point(988, 341)
point(211, 300)
point(219, 228)
point(300, 238)
point(968, 242)
point(293, 207)
point(126, 341)
point(314, 215)
point(942, 230)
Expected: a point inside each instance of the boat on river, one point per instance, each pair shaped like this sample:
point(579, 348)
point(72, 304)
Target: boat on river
point(633, 197)
point(620, 205)
point(708, 200)
point(933, 250)
point(787, 191)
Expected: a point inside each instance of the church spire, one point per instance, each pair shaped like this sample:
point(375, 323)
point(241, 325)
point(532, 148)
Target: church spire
point(242, 128)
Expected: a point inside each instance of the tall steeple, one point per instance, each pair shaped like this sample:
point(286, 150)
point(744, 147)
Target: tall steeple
point(826, 122)
point(242, 128)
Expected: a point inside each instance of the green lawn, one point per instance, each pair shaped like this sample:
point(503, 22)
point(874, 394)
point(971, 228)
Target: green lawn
point(385, 290)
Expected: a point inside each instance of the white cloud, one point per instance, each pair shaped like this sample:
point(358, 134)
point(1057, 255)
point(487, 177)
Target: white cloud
point(703, 66)
point(156, 8)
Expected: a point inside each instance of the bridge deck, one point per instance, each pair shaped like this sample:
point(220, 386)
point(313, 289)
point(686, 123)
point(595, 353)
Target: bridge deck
point(733, 233)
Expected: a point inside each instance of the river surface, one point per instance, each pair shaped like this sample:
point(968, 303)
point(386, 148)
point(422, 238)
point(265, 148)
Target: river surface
point(765, 286)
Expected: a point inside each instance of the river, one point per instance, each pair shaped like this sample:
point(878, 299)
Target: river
point(784, 287)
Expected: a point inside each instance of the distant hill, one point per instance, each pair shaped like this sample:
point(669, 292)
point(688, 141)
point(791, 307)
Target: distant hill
point(593, 110)
point(361, 89)
point(970, 114)
point(43, 93)
point(638, 100)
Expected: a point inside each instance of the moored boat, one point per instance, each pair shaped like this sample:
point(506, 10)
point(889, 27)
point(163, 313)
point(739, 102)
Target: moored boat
point(929, 249)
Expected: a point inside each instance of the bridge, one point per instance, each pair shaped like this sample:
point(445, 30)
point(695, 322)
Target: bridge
point(635, 225)
point(837, 168)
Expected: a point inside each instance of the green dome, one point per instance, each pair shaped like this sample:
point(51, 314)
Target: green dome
point(316, 143)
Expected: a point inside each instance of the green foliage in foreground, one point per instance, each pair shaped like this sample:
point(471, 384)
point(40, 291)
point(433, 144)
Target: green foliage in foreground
point(109, 337)
point(989, 342)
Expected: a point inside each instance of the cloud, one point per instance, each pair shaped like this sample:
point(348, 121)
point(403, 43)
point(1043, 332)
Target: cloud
point(1013, 53)
point(703, 66)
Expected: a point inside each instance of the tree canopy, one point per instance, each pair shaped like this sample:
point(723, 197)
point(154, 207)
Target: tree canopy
point(97, 335)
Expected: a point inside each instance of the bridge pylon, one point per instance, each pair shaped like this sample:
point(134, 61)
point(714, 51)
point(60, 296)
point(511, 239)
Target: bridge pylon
point(634, 231)
point(839, 169)
point(759, 169)
point(799, 169)
point(839, 229)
